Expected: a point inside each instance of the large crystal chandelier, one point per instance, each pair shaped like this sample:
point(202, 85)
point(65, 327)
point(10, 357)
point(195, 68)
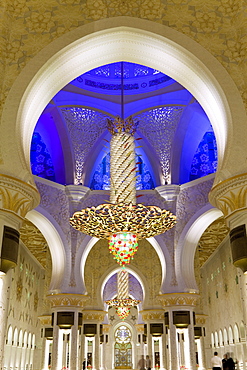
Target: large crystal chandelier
point(122, 221)
point(123, 302)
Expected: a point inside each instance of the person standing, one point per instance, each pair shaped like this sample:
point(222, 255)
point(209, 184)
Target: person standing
point(148, 363)
point(230, 364)
point(224, 362)
point(216, 362)
point(141, 363)
point(84, 364)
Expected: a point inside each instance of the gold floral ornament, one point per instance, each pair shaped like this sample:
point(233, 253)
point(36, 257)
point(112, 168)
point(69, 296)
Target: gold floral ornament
point(107, 219)
point(123, 306)
point(122, 221)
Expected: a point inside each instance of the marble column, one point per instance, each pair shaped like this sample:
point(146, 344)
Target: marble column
point(56, 357)
point(172, 344)
point(45, 321)
point(180, 302)
point(164, 347)
point(150, 345)
point(97, 348)
point(14, 222)
point(74, 343)
point(83, 352)
point(230, 196)
point(156, 317)
point(191, 334)
point(95, 317)
point(201, 322)
point(71, 303)
point(18, 198)
point(5, 281)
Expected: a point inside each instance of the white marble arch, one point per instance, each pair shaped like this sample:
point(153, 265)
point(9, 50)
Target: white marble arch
point(42, 221)
point(131, 270)
point(133, 40)
point(80, 261)
point(186, 246)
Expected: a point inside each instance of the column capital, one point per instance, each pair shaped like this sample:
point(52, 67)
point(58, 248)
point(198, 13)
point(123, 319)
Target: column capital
point(76, 192)
point(230, 196)
point(168, 192)
point(201, 319)
point(17, 196)
point(175, 300)
point(150, 315)
point(106, 328)
point(94, 315)
point(140, 328)
point(45, 320)
point(67, 300)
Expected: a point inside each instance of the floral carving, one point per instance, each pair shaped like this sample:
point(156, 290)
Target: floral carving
point(148, 315)
point(19, 289)
point(230, 195)
point(178, 299)
point(72, 300)
point(17, 196)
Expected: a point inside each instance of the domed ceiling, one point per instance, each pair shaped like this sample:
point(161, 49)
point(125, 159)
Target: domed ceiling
point(174, 139)
point(70, 141)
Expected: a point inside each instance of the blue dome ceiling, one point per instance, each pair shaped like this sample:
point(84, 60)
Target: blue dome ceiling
point(177, 137)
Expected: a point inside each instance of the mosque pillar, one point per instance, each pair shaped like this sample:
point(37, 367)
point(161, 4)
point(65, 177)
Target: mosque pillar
point(83, 350)
point(56, 357)
point(179, 317)
point(47, 337)
point(154, 319)
point(230, 196)
point(74, 342)
point(92, 319)
point(172, 343)
point(150, 345)
point(164, 361)
point(104, 348)
point(140, 344)
point(16, 199)
point(199, 335)
point(67, 318)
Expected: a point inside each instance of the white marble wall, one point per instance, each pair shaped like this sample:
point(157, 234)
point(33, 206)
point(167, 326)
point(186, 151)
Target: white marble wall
point(223, 292)
point(26, 303)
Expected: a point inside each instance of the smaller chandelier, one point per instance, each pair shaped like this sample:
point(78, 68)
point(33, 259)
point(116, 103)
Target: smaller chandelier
point(123, 306)
point(123, 302)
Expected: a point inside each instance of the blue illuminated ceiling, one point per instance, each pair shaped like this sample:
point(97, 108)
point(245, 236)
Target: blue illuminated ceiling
point(172, 126)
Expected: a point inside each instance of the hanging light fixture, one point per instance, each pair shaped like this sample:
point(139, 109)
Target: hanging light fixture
point(122, 221)
point(123, 302)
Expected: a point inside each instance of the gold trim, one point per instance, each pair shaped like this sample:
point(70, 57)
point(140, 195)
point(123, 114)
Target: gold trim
point(228, 180)
point(178, 299)
point(45, 319)
point(94, 315)
point(201, 319)
point(21, 181)
point(67, 300)
point(148, 315)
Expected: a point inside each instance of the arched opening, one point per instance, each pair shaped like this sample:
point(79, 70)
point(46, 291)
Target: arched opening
point(123, 348)
point(172, 53)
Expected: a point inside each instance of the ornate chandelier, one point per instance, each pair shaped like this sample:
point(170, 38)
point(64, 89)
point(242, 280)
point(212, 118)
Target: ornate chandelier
point(123, 302)
point(122, 221)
